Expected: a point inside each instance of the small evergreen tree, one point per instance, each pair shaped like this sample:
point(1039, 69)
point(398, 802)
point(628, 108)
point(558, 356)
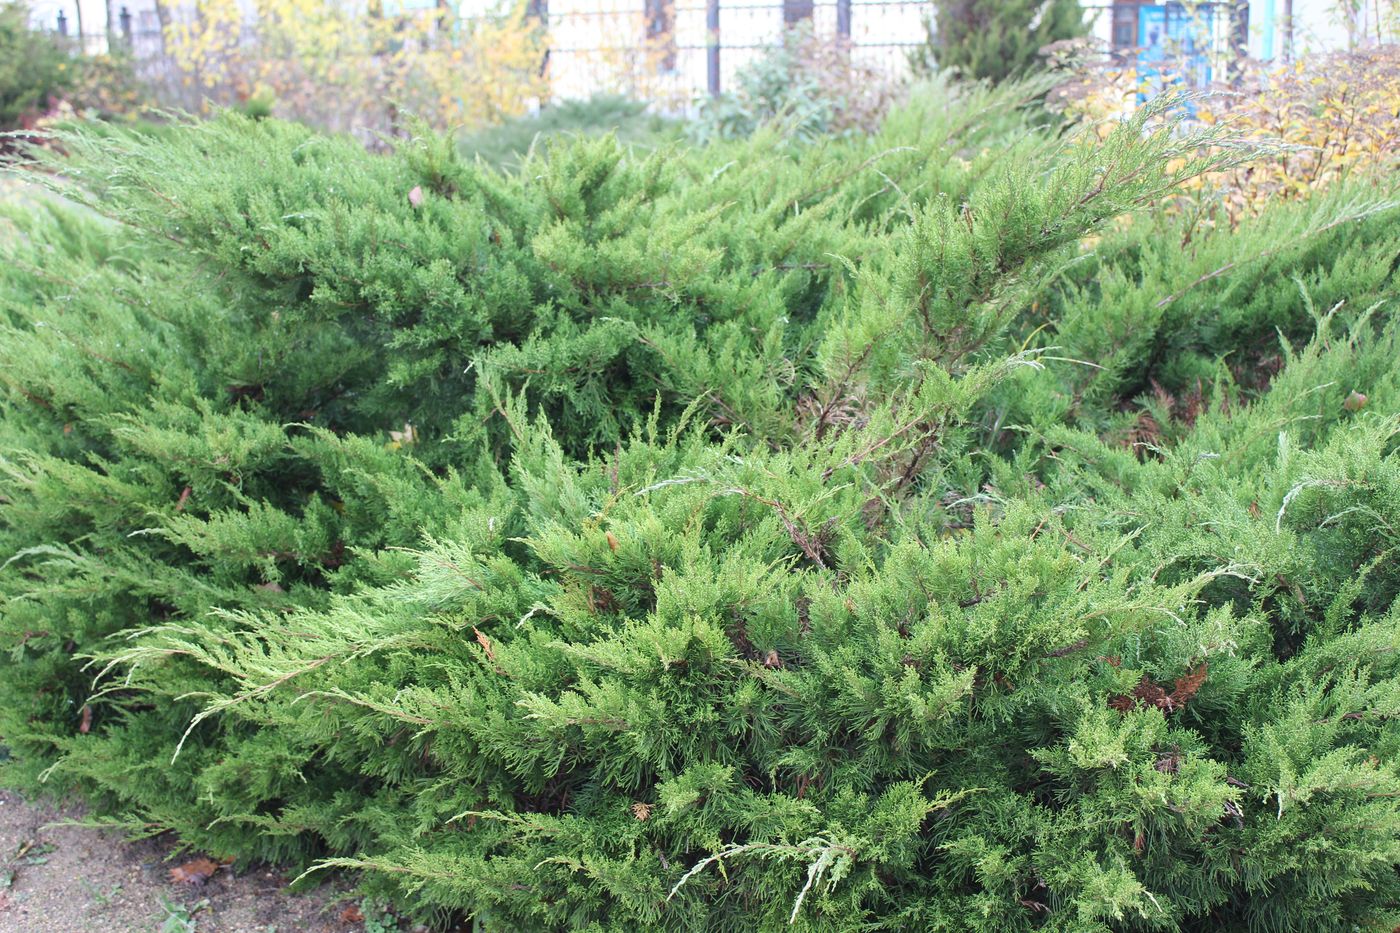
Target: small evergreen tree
point(996, 39)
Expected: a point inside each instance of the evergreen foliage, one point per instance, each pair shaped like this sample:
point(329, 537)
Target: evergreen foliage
point(997, 39)
point(812, 85)
point(34, 67)
point(946, 529)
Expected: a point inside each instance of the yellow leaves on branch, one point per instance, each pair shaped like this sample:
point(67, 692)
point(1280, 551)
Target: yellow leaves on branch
point(340, 67)
point(1320, 119)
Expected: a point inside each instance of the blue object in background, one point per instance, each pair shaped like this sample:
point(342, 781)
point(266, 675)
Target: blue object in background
point(1172, 48)
point(1266, 51)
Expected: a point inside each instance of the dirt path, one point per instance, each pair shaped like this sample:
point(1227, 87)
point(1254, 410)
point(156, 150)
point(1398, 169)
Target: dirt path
point(70, 879)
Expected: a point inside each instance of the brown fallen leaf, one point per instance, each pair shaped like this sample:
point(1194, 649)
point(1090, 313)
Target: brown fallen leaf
point(1150, 693)
point(352, 914)
point(196, 871)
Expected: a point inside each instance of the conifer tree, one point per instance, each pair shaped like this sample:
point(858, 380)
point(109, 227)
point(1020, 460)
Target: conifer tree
point(997, 39)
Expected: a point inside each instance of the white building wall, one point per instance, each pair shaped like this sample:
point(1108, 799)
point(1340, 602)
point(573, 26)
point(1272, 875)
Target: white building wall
point(1318, 26)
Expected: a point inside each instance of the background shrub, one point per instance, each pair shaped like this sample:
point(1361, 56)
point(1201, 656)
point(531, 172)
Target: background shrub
point(996, 39)
point(1327, 117)
point(346, 69)
point(504, 146)
point(808, 84)
point(35, 68)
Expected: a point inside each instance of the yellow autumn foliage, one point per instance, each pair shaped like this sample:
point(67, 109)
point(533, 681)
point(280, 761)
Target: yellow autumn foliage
point(344, 68)
point(1318, 119)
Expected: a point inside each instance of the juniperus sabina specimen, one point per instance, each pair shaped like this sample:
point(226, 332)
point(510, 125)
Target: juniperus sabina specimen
point(945, 530)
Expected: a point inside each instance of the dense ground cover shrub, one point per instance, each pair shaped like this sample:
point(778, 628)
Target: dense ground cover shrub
point(929, 530)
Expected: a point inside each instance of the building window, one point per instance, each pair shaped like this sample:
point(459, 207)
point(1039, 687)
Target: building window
point(1125, 26)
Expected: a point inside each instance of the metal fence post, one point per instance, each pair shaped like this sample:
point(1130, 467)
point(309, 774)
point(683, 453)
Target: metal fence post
point(62, 24)
point(1239, 40)
point(843, 21)
point(660, 22)
point(797, 11)
point(712, 46)
point(538, 10)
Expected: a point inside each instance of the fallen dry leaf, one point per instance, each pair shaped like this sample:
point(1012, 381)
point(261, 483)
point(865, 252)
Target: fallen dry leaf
point(195, 871)
point(485, 643)
point(352, 914)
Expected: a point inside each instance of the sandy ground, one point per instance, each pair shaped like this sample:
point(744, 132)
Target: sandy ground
point(58, 878)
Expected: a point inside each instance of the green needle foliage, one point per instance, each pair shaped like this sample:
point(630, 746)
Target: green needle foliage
point(776, 534)
point(997, 39)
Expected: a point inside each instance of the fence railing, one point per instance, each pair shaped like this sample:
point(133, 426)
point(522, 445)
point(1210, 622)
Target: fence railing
point(600, 45)
point(671, 52)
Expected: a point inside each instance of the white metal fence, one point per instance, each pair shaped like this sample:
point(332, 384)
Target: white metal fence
point(688, 48)
point(668, 51)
